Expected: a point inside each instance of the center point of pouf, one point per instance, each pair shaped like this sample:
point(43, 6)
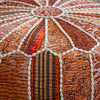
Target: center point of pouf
point(46, 12)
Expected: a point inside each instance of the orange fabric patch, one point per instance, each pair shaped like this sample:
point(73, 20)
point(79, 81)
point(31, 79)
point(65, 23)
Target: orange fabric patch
point(76, 76)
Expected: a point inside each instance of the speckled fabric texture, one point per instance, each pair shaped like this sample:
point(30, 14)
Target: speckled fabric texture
point(49, 50)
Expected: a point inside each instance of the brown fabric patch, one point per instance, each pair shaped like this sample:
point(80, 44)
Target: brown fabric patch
point(96, 72)
point(7, 17)
point(13, 77)
point(93, 20)
point(94, 11)
point(14, 4)
point(88, 15)
point(87, 6)
point(57, 41)
point(78, 2)
point(92, 29)
point(5, 9)
point(29, 2)
point(13, 40)
point(80, 39)
point(76, 76)
point(8, 21)
point(8, 13)
point(47, 11)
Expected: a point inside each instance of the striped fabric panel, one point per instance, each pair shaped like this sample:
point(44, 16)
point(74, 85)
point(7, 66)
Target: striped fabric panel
point(45, 77)
point(34, 40)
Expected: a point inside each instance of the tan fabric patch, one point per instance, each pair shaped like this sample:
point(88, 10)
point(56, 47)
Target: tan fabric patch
point(13, 77)
point(76, 76)
point(57, 41)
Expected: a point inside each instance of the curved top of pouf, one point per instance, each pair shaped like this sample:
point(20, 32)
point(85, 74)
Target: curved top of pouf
point(64, 30)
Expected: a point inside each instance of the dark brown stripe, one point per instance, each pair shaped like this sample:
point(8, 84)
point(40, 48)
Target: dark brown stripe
point(53, 77)
point(47, 81)
point(43, 75)
point(34, 78)
point(39, 76)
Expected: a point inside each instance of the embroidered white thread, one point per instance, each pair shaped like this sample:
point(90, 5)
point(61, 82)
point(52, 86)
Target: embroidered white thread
point(29, 79)
point(64, 32)
point(66, 3)
point(10, 15)
point(92, 79)
point(15, 30)
point(16, 20)
point(82, 16)
point(15, 17)
point(18, 2)
point(29, 32)
point(81, 30)
point(61, 76)
point(15, 7)
point(46, 32)
point(59, 55)
point(83, 20)
point(73, 7)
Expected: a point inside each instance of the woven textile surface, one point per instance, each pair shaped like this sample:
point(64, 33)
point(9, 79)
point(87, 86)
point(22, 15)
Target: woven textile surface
point(49, 50)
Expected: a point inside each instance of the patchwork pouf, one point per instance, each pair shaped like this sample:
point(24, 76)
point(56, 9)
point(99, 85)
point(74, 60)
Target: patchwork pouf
point(49, 50)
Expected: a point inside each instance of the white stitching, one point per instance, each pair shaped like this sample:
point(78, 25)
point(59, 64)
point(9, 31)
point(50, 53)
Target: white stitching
point(83, 20)
point(82, 16)
point(81, 30)
point(15, 10)
point(23, 53)
point(29, 32)
point(46, 32)
point(59, 55)
point(38, 2)
point(56, 3)
point(0, 57)
point(10, 15)
point(66, 3)
point(81, 12)
point(9, 53)
point(92, 79)
point(16, 20)
point(18, 2)
point(47, 3)
point(15, 30)
point(15, 7)
point(81, 9)
point(64, 32)
point(29, 79)
point(61, 76)
point(15, 17)
point(80, 6)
